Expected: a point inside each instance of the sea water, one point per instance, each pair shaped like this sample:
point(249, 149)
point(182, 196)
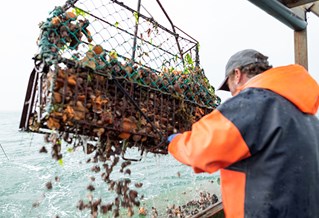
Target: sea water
point(24, 173)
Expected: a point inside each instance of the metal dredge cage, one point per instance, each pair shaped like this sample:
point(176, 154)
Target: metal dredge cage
point(116, 76)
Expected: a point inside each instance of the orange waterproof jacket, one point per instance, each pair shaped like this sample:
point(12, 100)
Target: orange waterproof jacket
point(265, 141)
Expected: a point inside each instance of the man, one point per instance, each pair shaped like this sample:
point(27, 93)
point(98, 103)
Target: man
point(264, 140)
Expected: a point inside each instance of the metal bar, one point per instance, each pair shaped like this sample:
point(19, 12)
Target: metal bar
point(315, 8)
point(195, 41)
point(281, 13)
point(303, 9)
point(150, 19)
point(173, 27)
point(69, 4)
point(294, 3)
point(196, 49)
point(197, 55)
point(29, 100)
point(118, 84)
point(145, 41)
point(136, 29)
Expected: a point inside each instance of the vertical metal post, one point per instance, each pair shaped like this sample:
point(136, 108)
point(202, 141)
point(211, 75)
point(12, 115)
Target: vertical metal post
point(197, 55)
point(301, 48)
point(136, 29)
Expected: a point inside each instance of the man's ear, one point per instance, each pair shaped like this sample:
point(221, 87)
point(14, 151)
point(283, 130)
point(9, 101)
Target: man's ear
point(238, 76)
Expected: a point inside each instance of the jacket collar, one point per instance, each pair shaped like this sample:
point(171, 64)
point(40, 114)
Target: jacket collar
point(293, 82)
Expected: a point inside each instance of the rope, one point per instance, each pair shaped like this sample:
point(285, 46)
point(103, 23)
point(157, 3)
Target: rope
point(4, 152)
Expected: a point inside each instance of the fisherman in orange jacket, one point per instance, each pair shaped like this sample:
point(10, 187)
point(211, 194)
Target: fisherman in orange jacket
point(264, 140)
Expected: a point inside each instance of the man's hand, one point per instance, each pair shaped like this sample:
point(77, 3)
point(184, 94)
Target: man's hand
point(171, 137)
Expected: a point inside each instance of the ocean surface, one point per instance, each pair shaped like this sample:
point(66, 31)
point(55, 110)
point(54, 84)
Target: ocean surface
point(24, 173)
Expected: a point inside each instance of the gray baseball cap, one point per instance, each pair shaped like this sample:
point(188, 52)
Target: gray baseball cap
point(241, 59)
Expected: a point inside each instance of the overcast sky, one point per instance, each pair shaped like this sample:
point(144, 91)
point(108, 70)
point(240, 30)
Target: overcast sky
point(221, 27)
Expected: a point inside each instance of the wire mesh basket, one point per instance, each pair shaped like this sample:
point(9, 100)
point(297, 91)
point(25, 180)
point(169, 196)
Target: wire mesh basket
point(116, 76)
